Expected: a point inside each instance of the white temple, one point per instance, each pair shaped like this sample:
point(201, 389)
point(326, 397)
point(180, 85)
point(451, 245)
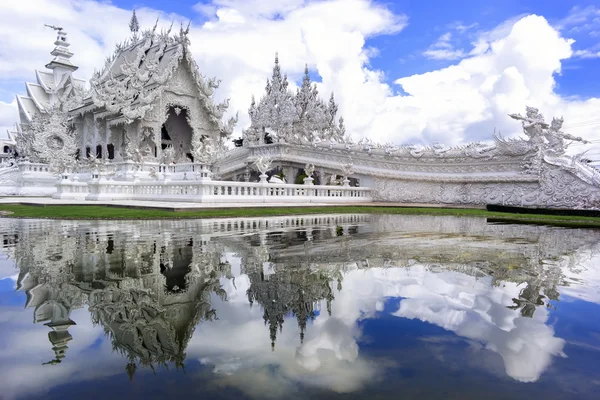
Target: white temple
point(148, 128)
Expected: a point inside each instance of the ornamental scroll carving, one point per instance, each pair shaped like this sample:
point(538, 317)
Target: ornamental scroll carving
point(555, 189)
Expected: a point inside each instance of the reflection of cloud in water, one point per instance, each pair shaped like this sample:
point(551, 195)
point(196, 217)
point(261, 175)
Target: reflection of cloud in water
point(332, 339)
point(25, 347)
point(8, 269)
point(294, 282)
point(583, 278)
point(330, 357)
point(469, 307)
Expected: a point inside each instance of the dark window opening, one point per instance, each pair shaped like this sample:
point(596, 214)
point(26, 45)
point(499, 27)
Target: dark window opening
point(88, 152)
point(164, 135)
point(99, 151)
point(110, 246)
point(6, 149)
point(111, 151)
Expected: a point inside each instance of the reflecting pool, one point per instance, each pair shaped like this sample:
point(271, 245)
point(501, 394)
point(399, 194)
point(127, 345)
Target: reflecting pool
point(328, 306)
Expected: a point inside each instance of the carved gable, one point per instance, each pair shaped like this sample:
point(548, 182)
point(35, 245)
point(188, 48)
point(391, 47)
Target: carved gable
point(182, 82)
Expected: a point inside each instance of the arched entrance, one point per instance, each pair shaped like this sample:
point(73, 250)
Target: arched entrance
point(177, 132)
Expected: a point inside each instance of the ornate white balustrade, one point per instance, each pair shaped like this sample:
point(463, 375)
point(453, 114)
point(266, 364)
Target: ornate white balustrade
point(131, 169)
point(26, 166)
point(205, 190)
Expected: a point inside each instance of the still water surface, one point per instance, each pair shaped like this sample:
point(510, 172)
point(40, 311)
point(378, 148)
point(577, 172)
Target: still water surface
point(334, 306)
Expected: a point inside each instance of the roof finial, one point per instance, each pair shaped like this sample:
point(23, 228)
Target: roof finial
point(61, 52)
point(56, 28)
point(134, 25)
point(156, 24)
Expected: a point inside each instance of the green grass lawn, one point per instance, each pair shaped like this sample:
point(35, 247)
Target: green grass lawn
point(105, 212)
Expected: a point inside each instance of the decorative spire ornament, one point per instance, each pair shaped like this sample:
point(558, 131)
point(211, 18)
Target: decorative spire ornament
point(134, 25)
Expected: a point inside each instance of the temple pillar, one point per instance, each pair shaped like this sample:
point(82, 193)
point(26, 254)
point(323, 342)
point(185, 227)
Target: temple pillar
point(95, 136)
point(106, 139)
point(322, 177)
point(84, 137)
point(290, 173)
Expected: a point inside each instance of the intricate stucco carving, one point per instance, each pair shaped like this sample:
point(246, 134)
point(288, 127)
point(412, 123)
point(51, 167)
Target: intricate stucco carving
point(293, 118)
point(530, 171)
point(148, 68)
point(49, 138)
point(556, 188)
point(203, 149)
point(263, 164)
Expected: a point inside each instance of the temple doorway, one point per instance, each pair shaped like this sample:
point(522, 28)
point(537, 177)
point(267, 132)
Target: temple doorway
point(177, 132)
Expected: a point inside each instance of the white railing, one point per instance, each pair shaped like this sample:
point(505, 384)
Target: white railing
point(132, 167)
point(33, 167)
point(209, 191)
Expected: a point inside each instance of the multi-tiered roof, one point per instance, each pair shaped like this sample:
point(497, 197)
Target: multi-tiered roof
point(52, 86)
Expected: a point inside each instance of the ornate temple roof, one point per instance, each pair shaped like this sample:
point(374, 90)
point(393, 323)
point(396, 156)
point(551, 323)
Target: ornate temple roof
point(161, 48)
point(128, 86)
point(135, 76)
point(50, 85)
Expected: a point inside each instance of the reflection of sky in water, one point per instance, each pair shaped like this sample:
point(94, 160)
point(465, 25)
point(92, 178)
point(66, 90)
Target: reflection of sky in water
point(424, 326)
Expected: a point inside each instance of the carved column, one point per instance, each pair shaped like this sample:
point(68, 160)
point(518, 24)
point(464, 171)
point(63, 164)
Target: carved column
point(106, 139)
point(96, 135)
point(290, 173)
point(84, 136)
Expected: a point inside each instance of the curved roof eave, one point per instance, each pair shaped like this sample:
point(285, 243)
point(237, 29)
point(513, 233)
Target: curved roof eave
point(31, 94)
point(23, 109)
point(41, 81)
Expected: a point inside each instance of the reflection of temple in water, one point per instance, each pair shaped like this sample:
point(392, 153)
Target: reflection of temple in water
point(149, 283)
point(295, 291)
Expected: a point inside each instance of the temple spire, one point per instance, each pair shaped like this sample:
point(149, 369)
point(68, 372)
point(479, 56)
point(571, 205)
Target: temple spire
point(130, 368)
point(61, 63)
point(134, 25)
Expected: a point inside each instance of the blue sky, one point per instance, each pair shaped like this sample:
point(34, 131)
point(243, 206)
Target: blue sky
point(401, 54)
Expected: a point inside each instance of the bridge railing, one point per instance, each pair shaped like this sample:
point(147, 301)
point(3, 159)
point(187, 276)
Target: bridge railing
point(209, 191)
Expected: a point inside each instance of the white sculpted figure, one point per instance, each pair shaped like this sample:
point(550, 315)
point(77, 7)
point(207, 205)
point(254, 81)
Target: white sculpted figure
point(309, 169)
point(93, 162)
point(168, 155)
point(263, 164)
point(479, 150)
point(147, 142)
point(334, 181)
point(203, 149)
point(347, 170)
point(276, 179)
point(543, 137)
point(556, 138)
point(533, 125)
